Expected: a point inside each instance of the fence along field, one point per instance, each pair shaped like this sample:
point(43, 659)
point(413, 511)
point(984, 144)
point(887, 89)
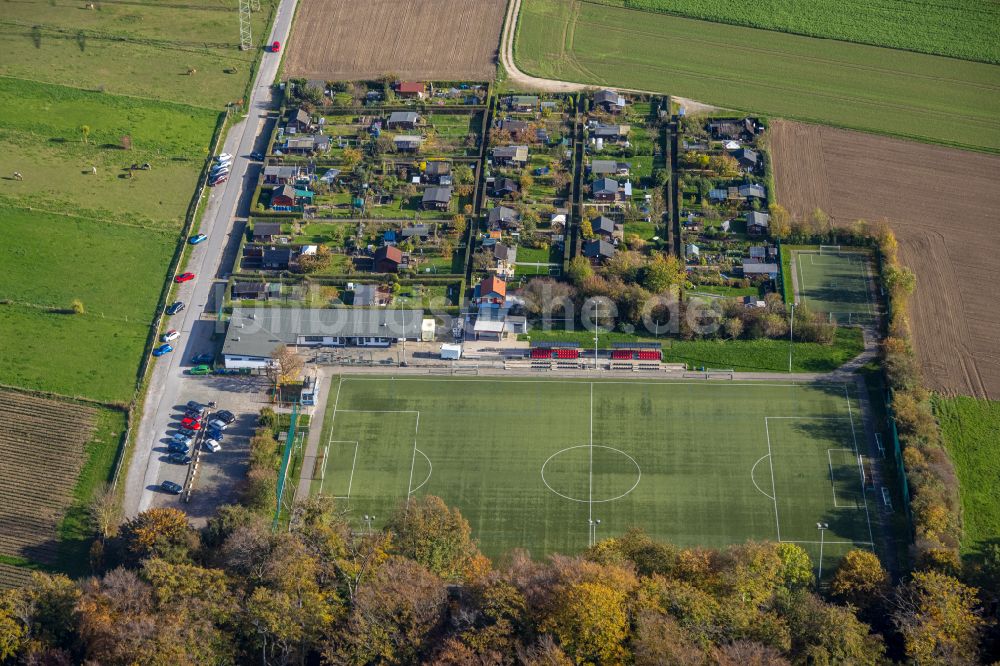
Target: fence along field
point(959, 28)
point(838, 83)
point(938, 201)
point(420, 39)
point(42, 450)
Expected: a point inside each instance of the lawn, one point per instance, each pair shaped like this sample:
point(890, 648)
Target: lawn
point(959, 28)
point(93, 354)
point(838, 83)
point(138, 49)
point(691, 463)
point(970, 430)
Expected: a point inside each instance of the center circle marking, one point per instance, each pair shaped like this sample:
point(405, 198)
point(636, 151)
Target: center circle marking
point(638, 473)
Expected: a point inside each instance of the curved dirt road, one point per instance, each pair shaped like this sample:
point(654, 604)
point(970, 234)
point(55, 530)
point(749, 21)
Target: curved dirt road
point(529, 82)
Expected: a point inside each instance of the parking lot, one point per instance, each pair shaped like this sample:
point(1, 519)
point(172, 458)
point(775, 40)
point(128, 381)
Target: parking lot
point(217, 476)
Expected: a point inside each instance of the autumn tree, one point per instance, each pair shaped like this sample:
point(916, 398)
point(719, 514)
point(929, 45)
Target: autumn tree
point(780, 224)
point(352, 157)
point(105, 511)
point(823, 633)
point(860, 579)
point(578, 270)
point(590, 621)
point(158, 532)
point(393, 617)
point(939, 619)
point(435, 536)
point(587, 229)
point(663, 272)
point(286, 364)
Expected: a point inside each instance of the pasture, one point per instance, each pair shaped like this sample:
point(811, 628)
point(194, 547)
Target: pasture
point(970, 428)
point(137, 49)
point(116, 271)
point(529, 463)
point(960, 28)
point(926, 194)
point(55, 455)
point(838, 83)
point(420, 39)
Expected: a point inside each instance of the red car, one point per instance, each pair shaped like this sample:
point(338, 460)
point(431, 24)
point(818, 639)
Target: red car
point(275, 47)
point(184, 277)
point(190, 423)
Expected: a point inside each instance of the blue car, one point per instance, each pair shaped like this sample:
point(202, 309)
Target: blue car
point(214, 433)
point(194, 240)
point(162, 349)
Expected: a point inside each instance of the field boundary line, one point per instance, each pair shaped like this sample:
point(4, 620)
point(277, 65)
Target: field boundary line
point(413, 460)
point(774, 488)
point(857, 453)
point(828, 542)
point(805, 383)
point(590, 493)
point(350, 481)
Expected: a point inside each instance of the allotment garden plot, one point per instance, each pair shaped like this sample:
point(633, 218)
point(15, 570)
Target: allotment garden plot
point(530, 463)
point(836, 283)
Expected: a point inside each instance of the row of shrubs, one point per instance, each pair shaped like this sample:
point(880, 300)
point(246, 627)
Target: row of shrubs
point(937, 518)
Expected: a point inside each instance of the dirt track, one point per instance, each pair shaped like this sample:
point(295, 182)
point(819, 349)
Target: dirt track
point(418, 39)
point(944, 205)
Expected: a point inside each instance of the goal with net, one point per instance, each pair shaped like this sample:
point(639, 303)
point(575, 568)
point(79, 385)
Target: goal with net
point(829, 249)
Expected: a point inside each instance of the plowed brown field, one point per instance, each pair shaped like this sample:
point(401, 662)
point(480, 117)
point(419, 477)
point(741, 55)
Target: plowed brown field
point(41, 453)
point(944, 205)
point(412, 39)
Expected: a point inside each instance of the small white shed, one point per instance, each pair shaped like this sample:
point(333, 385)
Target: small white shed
point(451, 352)
point(427, 329)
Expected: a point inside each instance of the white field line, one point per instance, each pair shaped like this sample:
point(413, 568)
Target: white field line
point(833, 483)
point(326, 461)
point(857, 453)
point(430, 471)
point(666, 382)
point(754, 480)
point(828, 542)
point(413, 460)
point(774, 488)
point(590, 495)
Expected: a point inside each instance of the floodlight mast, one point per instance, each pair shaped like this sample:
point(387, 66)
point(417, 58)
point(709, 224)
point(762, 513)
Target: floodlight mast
point(246, 38)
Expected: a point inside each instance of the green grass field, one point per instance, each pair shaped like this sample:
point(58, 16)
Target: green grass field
point(143, 49)
point(838, 285)
point(530, 462)
point(970, 430)
point(960, 28)
point(116, 271)
point(837, 83)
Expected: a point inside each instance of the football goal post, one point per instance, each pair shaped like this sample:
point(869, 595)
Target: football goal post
point(829, 249)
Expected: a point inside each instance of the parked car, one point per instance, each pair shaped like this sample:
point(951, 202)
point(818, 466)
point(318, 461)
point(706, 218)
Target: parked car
point(188, 432)
point(179, 458)
point(181, 438)
point(171, 487)
point(214, 433)
point(170, 335)
point(162, 349)
point(218, 424)
point(218, 181)
point(275, 47)
point(194, 404)
point(175, 307)
point(225, 416)
point(207, 357)
point(211, 445)
point(191, 423)
point(200, 370)
point(184, 277)
point(257, 156)
point(178, 446)
point(223, 157)
point(194, 240)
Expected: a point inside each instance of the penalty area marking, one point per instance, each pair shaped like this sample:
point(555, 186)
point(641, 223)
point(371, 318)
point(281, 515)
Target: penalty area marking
point(350, 481)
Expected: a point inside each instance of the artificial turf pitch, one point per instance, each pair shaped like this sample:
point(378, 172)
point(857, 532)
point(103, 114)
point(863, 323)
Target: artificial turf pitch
point(530, 462)
point(836, 284)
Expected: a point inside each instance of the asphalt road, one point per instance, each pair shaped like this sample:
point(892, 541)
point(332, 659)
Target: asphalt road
point(210, 261)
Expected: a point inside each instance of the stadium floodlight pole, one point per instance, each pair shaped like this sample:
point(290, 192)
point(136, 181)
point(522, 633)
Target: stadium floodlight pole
point(822, 527)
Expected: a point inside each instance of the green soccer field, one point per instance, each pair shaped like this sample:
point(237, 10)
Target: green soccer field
point(531, 462)
point(837, 284)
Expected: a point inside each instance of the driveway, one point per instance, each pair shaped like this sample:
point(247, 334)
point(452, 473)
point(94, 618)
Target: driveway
point(168, 385)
